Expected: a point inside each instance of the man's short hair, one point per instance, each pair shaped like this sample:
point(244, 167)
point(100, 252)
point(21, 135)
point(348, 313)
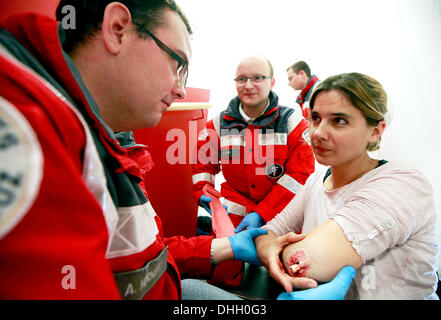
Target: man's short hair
point(89, 17)
point(269, 64)
point(301, 65)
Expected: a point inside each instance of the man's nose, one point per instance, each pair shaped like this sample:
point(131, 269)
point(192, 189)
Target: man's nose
point(249, 83)
point(179, 92)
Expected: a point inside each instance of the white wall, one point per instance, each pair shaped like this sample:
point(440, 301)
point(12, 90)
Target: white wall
point(398, 42)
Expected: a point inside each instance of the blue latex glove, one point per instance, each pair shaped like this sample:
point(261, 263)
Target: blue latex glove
point(243, 245)
point(333, 290)
point(204, 202)
point(251, 221)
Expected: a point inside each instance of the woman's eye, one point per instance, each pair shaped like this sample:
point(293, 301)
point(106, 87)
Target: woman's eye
point(340, 121)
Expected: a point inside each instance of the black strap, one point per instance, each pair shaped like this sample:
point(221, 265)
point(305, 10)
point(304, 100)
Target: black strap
point(328, 173)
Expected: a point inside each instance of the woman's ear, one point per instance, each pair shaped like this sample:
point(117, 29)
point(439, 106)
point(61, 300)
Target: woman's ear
point(377, 131)
point(117, 22)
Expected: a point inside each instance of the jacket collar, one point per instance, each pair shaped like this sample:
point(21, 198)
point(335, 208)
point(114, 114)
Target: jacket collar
point(306, 92)
point(232, 114)
point(27, 29)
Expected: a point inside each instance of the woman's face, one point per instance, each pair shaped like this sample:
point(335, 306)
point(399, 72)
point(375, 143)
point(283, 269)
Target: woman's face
point(338, 130)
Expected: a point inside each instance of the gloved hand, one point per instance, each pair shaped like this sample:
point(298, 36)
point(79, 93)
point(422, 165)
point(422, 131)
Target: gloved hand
point(204, 201)
point(333, 290)
point(243, 245)
point(251, 221)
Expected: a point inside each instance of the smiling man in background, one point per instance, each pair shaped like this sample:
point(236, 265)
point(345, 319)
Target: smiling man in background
point(263, 149)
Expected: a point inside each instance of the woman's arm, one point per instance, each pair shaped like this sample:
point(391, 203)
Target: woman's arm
point(322, 254)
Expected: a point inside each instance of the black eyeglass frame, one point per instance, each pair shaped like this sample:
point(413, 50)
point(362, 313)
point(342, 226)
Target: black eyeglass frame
point(182, 63)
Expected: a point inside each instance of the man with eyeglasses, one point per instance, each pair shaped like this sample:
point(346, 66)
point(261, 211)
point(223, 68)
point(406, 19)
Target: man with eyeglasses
point(75, 221)
point(261, 147)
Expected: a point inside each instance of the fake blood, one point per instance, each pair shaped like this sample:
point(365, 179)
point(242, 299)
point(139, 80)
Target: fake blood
point(299, 264)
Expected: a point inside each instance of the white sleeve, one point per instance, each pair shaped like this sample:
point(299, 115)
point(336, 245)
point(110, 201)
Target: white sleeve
point(386, 211)
point(291, 217)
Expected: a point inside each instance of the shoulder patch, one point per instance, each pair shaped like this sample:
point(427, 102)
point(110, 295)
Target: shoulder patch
point(21, 165)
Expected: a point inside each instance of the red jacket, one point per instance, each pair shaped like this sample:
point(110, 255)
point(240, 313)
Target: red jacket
point(59, 236)
point(305, 94)
point(264, 163)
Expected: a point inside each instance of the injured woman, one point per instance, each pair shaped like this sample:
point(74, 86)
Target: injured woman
point(376, 216)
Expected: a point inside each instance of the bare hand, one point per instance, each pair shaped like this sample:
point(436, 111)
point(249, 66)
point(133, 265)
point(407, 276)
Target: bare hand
point(269, 248)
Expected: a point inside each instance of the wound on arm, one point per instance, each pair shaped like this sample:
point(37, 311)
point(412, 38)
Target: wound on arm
point(298, 264)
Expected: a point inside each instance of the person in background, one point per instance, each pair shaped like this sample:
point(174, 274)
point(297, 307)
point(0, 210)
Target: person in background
point(377, 216)
point(300, 78)
point(261, 147)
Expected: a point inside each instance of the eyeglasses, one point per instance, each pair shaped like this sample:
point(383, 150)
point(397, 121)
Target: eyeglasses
point(182, 70)
point(254, 79)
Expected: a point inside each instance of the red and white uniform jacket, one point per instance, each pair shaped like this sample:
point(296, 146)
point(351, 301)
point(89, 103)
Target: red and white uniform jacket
point(75, 222)
point(305, 94)
point(264, 163)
